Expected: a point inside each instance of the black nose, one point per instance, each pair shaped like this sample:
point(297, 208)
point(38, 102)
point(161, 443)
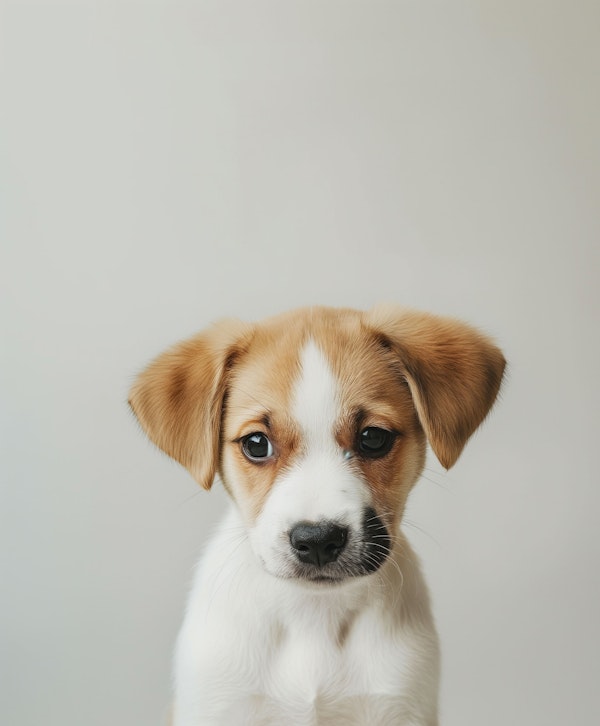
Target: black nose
point(318, 543)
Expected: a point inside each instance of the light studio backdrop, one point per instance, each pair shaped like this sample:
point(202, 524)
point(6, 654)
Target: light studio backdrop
point(164, 164)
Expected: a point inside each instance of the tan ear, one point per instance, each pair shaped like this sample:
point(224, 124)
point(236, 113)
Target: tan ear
point(178, 399)
point(453, 372)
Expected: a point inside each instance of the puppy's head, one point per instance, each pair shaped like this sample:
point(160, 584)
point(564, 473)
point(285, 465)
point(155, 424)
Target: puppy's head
point(317, 422)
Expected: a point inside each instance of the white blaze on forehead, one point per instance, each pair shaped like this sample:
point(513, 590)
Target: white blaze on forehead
point(316, 403)
point(320, 484)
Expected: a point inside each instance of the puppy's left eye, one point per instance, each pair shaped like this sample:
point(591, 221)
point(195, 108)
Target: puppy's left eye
point(257, 447)
point(374, 442)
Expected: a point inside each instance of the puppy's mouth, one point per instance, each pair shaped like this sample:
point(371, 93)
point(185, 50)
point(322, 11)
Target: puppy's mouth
point(322, 580)
point(327, 553)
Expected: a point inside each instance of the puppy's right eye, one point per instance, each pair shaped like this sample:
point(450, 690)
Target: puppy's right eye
point(257, 447)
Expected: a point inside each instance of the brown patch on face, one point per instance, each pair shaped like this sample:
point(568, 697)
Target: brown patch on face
point(374, 394)
point(258, 401)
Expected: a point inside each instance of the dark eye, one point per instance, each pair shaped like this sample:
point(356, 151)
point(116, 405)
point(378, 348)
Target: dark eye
point(256, 447)
point(374, 442)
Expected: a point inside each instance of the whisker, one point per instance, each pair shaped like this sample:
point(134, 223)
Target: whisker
point(412, 524)
point(437, 484)
point(188, 499)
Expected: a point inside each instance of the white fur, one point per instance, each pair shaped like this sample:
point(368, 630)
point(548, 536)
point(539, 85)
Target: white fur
point(258, 649)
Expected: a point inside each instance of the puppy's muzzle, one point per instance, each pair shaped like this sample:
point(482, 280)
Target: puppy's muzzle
point(318, 543)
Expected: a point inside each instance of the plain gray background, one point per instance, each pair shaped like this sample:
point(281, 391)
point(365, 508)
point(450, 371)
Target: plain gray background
point(167, 164)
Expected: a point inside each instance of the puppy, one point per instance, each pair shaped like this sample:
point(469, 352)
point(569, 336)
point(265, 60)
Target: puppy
point(308, 606)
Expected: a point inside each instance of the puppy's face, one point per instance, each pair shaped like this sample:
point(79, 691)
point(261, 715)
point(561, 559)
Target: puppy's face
point(317, 421)
point(321, 444)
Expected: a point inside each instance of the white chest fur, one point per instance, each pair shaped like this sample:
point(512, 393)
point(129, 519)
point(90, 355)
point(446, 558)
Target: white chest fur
point(257, 650)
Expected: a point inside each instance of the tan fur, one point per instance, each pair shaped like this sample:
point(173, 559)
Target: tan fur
point(453, 371)
point(178, 399)
point(373, 394)
point(397, 368)
point(262, 385)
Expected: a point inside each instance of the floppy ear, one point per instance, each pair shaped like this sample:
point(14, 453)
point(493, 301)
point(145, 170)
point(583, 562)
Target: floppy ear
point(453, 372)
point(178, 399)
